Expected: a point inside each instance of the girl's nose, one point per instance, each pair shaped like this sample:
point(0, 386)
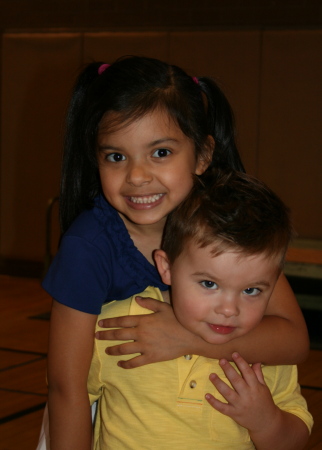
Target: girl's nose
point(138, 174)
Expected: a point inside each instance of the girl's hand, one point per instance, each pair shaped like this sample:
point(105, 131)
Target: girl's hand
point(157, 337)
point(250, 402)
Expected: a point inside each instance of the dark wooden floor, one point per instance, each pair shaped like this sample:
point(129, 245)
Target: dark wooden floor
point(24, 308)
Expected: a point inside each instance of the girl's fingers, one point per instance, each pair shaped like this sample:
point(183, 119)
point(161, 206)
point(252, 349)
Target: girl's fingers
point(128, 348)
point(132, 363)
point(152, 304)
point(119, 322)
point(117, 334)
point(133, 321)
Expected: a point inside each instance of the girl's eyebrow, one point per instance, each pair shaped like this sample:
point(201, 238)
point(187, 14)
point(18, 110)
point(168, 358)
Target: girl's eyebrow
point(162, 140)
point(102, 147)
point(107, 147)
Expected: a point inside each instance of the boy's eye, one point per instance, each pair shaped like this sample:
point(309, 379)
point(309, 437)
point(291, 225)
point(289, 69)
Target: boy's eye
point(115, 157)
point(251, 291)
point(209, 284)
point(161, 153)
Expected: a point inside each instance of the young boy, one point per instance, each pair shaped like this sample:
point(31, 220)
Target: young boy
point(222, 253)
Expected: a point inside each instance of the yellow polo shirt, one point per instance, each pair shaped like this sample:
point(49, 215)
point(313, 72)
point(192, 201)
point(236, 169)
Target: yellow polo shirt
point(162, 405)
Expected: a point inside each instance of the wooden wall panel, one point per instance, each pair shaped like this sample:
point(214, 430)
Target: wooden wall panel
point(290, 153)
point(37, 74)
point(272, 78)
point(110, 46)
point(233, 59)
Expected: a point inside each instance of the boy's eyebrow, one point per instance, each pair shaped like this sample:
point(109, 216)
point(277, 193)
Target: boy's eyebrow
point(204, 274)
point(212, 277)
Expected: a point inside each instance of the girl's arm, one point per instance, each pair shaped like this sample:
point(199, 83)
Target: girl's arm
point(280, 338)
point(69, 359)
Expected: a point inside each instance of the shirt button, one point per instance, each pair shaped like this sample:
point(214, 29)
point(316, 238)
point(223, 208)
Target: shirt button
point(193, 384)
point(188, 357)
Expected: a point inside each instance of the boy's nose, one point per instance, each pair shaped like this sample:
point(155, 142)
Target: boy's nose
point(138, 174)
point(227, 306)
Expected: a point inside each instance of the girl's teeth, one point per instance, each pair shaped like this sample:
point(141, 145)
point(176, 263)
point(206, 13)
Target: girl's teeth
point(151, 199)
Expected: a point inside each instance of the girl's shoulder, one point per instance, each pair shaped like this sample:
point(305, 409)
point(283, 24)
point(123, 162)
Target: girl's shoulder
point(100, 219)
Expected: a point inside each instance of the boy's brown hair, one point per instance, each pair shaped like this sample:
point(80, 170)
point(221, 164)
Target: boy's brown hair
point(230, 211)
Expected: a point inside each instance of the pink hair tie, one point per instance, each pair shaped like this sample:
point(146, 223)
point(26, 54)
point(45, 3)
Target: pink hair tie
point(195, 79)
point(102, 68)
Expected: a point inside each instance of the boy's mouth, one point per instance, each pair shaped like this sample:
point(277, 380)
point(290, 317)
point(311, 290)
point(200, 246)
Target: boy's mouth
point(221, 329)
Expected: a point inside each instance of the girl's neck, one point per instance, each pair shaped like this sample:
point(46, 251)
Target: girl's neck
point(146, 238)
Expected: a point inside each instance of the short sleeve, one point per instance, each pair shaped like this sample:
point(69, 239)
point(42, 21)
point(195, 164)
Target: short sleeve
point(79, 275)
point(286, 391)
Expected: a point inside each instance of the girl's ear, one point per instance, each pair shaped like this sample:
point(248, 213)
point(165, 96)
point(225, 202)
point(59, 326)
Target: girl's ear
point(205, 158)
point(163, 266)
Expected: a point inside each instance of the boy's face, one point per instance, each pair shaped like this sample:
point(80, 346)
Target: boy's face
point(218, 298)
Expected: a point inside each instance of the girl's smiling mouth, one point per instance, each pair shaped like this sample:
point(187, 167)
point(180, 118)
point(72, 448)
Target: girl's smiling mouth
point(144, 201)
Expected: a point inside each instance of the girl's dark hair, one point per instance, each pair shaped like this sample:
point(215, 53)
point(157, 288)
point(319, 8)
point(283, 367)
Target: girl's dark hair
point(133, 86)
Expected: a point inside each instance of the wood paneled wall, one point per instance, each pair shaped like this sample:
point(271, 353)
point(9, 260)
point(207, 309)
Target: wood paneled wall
point(272, 78)
point(105, 14)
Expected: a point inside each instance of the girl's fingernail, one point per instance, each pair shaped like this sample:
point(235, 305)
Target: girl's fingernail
point(100, 323)
point(140, 298)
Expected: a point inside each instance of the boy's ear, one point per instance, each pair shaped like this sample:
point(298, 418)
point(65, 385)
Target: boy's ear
point(163, 266)
point(205, 159)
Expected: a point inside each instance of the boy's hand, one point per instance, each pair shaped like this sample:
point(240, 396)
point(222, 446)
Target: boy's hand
point(250, 402)
point(157, 337)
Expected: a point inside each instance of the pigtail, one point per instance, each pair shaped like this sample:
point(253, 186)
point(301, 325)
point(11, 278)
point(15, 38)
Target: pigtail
point(79, 184)
point(221, 126)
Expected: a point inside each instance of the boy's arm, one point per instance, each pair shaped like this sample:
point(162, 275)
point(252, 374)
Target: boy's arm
point(280, 338)
point(250, 404)
point(69, 359)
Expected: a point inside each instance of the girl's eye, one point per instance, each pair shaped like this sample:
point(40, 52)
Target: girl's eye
point(115, 157)
point(209, 284)
point(252, 291)
point(161, 153)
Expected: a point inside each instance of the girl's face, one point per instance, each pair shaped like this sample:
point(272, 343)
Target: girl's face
point(146, 167)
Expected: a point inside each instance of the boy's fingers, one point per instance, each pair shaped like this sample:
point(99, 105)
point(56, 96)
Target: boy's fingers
point(225, 390)
point(217, 404)
point(246, 371)
point(233, 376)
point(257, 368)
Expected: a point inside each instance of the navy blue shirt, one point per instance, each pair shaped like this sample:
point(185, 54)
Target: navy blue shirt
point(97, 262)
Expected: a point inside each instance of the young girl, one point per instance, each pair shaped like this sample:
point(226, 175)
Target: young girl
point(136, 132)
